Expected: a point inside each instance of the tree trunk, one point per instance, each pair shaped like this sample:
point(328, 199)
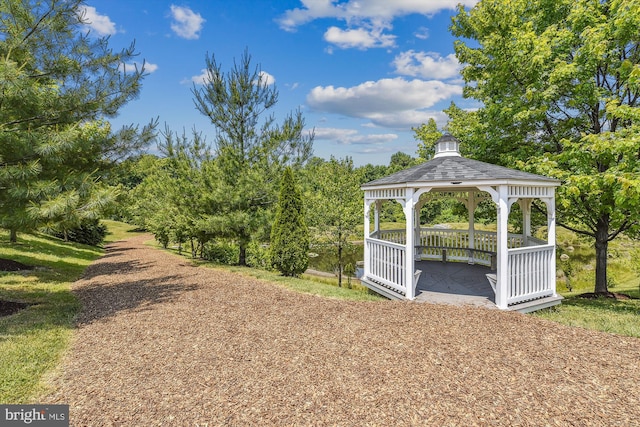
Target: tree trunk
point(242, 259)
point(602, 246)
point(340, 263)
point(13, 235)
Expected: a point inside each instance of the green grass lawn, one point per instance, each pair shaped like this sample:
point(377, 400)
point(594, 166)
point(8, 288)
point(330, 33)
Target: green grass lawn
point(33, 340)
point(603, 314)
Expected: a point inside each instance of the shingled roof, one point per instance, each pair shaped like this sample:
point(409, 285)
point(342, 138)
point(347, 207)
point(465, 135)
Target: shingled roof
point(455, 169)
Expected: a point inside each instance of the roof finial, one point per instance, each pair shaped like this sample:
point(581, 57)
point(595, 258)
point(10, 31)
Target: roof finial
point(447, 146)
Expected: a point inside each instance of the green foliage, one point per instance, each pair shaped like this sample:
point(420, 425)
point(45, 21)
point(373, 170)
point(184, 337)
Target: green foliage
point(560, 90)
point(400, 161)
point(334, 192)
point(289, 233)
point(221, 252)
point(58, 84)
point(427, 134)
point(90, 232)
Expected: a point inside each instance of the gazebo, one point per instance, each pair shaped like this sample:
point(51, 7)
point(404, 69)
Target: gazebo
point(520, 268)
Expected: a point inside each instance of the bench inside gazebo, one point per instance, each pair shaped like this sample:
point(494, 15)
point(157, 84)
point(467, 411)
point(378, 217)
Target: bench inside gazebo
point(520, 269)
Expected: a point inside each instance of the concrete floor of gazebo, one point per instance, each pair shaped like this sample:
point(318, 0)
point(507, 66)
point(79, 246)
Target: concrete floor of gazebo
point(456, 283)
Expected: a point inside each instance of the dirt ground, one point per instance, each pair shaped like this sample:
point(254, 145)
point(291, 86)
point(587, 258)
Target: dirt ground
point(161, 342)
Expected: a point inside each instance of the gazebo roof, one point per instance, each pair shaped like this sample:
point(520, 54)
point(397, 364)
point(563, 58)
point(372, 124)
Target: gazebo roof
point(448, 167)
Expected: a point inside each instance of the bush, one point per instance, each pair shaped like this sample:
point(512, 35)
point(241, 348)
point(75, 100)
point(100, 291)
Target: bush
point(221, 252)
point(89, 232)
point(258, 256)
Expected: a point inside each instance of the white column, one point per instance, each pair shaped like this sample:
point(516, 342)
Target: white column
point(409, 249)
point(503, 255)
point(525, 207)
point(376, 218)
point(367, 206)
point(471, 209)
point(551, 239)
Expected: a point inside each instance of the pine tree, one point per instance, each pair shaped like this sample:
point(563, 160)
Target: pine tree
point(289, 234)
point(58, 84)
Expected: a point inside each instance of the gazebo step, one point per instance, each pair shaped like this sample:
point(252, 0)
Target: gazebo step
point(536, 304)
point(381, 289)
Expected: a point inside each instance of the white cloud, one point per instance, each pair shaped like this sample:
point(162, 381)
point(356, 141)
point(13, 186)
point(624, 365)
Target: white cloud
point(199, 79)
point(101, 24)
point(393, 103)
point(186, 23)
point(361, 38)
point(357, 10)
point(136, 66)
point(352, 136)
point(428, 65)
point(422, 33)
point(267, 78)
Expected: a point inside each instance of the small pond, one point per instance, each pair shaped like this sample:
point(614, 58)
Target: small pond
point(327, 258)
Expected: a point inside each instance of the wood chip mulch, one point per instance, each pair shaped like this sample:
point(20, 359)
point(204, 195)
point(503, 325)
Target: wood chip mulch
point(161, 342)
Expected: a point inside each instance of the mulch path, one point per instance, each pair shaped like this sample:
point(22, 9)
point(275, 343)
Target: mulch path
point(161, 342)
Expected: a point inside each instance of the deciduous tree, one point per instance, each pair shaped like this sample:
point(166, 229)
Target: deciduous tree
point(560, 86)
point(334, 192)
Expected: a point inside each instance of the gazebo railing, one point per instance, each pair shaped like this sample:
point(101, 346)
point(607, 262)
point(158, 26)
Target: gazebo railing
point(454, 245)
point(530, 275)
point(386, 264)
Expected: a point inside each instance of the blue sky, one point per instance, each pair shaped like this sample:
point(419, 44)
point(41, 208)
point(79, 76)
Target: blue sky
point(363, 72)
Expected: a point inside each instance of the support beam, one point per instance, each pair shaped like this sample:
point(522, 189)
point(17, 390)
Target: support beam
point(471, 209)
point(376, 217)
point(551, 237)
point(367, 233)
point(409, 262)
point(525, 207)
point(502, 273)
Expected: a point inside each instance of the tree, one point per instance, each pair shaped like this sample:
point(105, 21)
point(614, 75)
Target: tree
point(400, 161)
point(334, 192)
point(427, 134)
point(560, 85)
point(289, 233)
point(251, 150)
point(57, 85)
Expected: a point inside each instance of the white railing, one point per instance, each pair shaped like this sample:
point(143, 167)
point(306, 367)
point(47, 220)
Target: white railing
point(394, 236)
point(441, 237)
point(386, 264)
point(529, 273)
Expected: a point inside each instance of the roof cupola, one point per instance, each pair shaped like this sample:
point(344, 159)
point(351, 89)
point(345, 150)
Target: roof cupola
point(447, 146)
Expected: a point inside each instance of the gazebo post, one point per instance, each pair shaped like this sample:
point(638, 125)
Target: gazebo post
point(471, 208)
point(367, 233)
point(409, 261)
point(502, 272)
point(551, 236)
point(525, 206)
point(376, 217)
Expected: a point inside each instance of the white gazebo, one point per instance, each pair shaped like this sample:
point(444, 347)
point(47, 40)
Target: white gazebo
point(521, 269)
